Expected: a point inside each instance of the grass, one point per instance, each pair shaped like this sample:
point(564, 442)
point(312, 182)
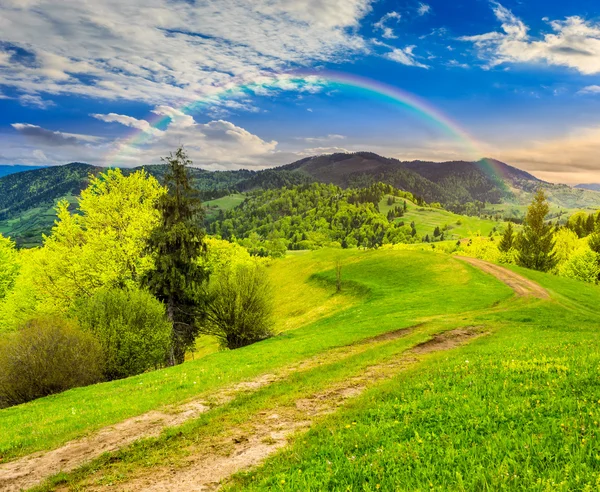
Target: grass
point(384, 290)
point(213, 207)
point(516, 410)
point(426, 219)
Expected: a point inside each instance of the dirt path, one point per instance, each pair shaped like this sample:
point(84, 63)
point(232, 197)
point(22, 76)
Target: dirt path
point(33, 469)
point(522, 286)
point(212, 463)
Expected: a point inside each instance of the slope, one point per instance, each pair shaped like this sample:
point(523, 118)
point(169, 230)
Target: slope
point(501, 396)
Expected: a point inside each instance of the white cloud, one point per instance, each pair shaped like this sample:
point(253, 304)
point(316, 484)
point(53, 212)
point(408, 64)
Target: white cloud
point(423, 9)
point(405, 56)
point(165, 52)
point(217, 144)
point(35, 101)
point(574, 43)
point(52, 138)
point(323, 150)
point(590, 89)
point(128, 121)
point(326, 138)
point(386, 31)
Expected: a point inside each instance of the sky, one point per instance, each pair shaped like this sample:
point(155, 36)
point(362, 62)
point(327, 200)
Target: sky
point(258, 84)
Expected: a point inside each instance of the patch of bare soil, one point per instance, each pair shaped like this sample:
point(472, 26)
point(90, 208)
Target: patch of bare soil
point(522, 286)
point(447, 340)
point(207, 468)
point(33, 469)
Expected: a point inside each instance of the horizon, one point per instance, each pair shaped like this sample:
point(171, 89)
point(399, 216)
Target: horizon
point(410, 80)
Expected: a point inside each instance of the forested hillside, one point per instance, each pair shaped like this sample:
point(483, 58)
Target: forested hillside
point(478, 188)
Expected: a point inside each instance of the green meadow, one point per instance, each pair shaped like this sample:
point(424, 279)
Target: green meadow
point(516, 408)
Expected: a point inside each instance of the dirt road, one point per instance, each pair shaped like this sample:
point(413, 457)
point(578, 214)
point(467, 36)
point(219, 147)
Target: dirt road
point(522, 286)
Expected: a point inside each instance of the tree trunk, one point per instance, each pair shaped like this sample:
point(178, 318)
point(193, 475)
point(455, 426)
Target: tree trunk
point(171, 318)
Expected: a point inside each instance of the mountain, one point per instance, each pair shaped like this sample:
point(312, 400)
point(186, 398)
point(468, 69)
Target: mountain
point(5, 170)
point(589, 186)
point(27, 198)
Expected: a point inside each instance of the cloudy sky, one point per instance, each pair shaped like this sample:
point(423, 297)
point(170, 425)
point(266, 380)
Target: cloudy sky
point(257, 84)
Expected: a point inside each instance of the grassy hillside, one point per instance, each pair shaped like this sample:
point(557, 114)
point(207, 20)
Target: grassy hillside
point(453, 225)
point(313, 319)
point(515, 408)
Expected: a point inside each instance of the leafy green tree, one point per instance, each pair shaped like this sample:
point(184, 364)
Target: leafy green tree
point(131, 327)
point(177, 245)
point(537, 241)
point(240, 307)
point(9, 265)
point(507, 241)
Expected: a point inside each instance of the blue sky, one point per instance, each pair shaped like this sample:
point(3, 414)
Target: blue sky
point(85, 81)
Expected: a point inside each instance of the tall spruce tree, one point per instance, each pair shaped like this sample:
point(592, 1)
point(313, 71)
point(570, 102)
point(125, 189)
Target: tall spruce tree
point(507, 241)
point(177, 245)
point(537, 240)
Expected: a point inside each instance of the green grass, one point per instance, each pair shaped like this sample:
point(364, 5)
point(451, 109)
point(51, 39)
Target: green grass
point(516, 410)
point(213, 207)
point(426, 219)
point(394, 289)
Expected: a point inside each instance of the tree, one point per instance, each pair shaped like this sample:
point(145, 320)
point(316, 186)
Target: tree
point(507, 241)
point(177, 245)
point(240, 306)
point(9, 265)
point(131, 327)
point(436, 231)
point(537, 241)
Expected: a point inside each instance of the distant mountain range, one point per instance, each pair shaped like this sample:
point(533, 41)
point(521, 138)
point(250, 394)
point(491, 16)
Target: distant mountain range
point(589, 186)
point(450, 183)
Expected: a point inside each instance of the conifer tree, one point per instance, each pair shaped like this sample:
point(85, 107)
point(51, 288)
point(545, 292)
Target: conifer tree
point(537, 240)
point(177, 245)
point(507, 241)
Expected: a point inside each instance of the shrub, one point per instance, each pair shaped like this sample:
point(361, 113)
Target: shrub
point(239, 308)
point(46, 356)
point(131, 327)
point(581, 265)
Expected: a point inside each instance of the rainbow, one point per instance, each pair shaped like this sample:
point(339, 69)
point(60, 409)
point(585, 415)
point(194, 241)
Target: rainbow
point(330, 80)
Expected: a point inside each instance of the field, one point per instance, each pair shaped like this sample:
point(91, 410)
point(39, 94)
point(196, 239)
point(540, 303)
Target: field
point(426, 219)
point(213, 207)
point(353, 394)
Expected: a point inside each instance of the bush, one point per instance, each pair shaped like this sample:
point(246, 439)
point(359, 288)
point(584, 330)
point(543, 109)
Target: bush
point(581, 265)
point(131, 327)
point(46, 356)
point(239, 309)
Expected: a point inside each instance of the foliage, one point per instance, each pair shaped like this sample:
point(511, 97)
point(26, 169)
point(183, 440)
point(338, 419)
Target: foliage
point(536, 242)
point(482, 248)
point(310, 217)
point(507, 241)
point(103, 246)
point(581, 265)
point(565, 243)
point(46, 356)
point(9, 265)
point(240, 306)
point(131, 327)
point(177, 245)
